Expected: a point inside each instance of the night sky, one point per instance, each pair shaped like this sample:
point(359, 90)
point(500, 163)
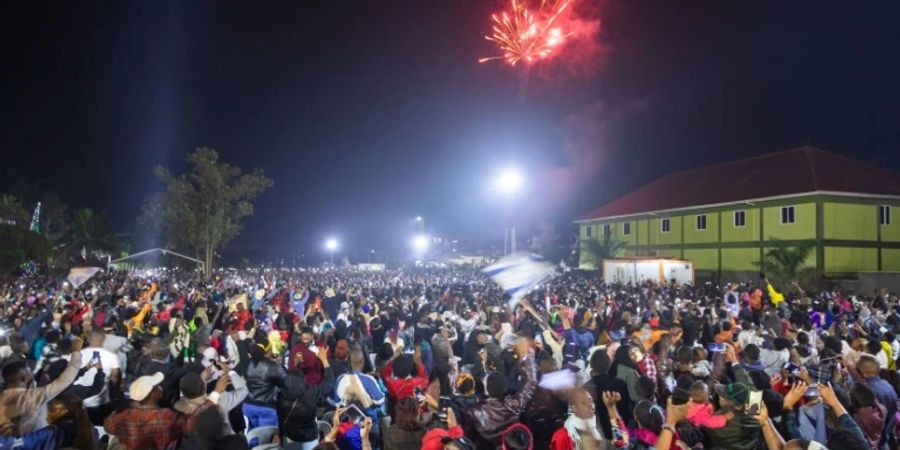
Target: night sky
point(368, 113)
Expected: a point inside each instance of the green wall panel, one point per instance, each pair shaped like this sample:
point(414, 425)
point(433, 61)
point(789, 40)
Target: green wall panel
point(710, 234)
point(740, 258)
point(849, 221)
point(804, 226)
point(705, 259)
point(890, 259)
point(749, 232)
point(850, 259)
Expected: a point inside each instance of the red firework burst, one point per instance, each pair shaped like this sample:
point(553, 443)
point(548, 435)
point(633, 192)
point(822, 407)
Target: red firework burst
point(529, 31)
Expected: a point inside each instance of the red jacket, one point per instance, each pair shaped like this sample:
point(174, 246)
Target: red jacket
point(432, 439)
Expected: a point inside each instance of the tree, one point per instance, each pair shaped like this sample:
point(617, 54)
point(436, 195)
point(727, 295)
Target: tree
point(12, 212)
point(785, 263)
point(599, 249)
point(202, 210)
point(90, 233)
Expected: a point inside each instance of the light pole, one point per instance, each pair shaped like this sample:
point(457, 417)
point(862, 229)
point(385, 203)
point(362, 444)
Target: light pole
point(509, 182)
point(331, 244)
point(420, 222)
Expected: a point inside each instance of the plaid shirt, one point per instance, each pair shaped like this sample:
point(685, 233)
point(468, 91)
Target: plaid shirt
point(648, 368)
point(144, 428)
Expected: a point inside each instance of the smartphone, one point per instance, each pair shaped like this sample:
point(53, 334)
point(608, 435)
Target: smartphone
point(792, 368)
point(755, 404)
point(352, 414)
point(443, 406)
point(95, 358)
point(715, 347)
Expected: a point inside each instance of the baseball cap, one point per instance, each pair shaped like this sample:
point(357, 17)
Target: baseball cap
point(141, 387)
point(736, 392)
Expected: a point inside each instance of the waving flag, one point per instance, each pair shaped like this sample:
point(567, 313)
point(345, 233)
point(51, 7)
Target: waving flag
point(78, 275)
point(519, 273)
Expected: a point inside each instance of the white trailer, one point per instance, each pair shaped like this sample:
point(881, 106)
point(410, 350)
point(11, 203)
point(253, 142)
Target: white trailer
point(636, 270)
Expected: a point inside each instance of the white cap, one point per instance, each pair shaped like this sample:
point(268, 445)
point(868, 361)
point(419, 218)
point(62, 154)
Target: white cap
point(142, 387)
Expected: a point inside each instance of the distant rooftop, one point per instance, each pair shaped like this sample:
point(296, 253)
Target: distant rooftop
point(796, 171)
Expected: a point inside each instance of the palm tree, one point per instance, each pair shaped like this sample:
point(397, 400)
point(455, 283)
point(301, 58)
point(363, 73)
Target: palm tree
point(786, 263)
point(11, 210)
point(89, 233)
point(600, 249)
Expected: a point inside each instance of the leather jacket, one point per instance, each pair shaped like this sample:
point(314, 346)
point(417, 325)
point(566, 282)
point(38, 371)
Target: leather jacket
point(297, 405)
point(264, 380)
point(490, 418)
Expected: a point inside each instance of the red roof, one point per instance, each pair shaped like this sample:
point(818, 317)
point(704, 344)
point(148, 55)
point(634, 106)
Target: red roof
point(796, 171)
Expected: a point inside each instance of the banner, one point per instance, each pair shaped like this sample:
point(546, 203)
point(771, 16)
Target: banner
point(519, 273)
point(78, 275)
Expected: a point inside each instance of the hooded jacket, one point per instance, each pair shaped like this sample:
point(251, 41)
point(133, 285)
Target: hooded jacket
point(488, 419)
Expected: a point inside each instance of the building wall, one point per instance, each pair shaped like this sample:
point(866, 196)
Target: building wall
point(740, 259)
point(890, 260)
point(850, 240)
point(748, 233)
point(840, 260)
point(804, 226)
point(692, 235)
point(850, 221)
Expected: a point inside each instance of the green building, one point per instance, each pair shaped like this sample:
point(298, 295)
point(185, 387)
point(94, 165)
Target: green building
point(724, 217)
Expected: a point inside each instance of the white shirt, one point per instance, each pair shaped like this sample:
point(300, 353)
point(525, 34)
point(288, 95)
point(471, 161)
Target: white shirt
point(109, 361)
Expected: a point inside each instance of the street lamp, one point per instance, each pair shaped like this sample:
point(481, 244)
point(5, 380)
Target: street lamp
point(420, 222)
point(331, 244)
point(420, 243)
point(509, 182)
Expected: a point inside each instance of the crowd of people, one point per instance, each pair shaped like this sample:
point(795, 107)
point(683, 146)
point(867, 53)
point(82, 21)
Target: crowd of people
point(441, 359)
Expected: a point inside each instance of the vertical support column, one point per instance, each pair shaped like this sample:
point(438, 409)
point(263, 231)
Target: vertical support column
point(762, 239)
point(820, 237)
point(721, 224)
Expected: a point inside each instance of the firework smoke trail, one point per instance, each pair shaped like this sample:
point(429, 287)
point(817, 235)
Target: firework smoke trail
point(528, 34)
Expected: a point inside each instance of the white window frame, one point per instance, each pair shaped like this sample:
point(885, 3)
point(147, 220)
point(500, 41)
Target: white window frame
point(626, 229)
point(587, 231)
point(884, 215)
point(665, 225)
point(607, 229)
point(793, 210)
point(734, 220)
point(697, 222)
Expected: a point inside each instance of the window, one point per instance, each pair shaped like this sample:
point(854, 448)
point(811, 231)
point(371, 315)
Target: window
point(587, 231)
point(740, 219)
point(607, 230)
point(787, 214)
point(884, 215)
point(701, 222)
point(626, 229)
point(666, 226)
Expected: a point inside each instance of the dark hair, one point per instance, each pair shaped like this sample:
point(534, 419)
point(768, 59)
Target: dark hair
point(84, 429)
point(861, 396)
point(751, 353)
point(404, 366)
point(407, 414)
point(689, 434)
point(257, 353)
point(649, 416)
point(466, 385)
point(781, 343)
point(191, 385)
point(600, 362)
point(645, 388)
point(873, 346)
point(845, 439)
point(496, 385)
point(13, 368)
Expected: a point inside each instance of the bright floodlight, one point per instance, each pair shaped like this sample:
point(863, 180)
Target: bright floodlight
point(331, 244)
point(510, 181)
point(420, 243)
point(418, 218)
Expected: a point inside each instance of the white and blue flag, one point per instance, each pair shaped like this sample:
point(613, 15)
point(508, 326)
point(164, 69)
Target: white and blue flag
point(519, 274)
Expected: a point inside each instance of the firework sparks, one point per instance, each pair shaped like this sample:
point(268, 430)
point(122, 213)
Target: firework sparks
point(529, 31)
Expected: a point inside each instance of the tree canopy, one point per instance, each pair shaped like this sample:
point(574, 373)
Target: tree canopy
point(202, 210)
